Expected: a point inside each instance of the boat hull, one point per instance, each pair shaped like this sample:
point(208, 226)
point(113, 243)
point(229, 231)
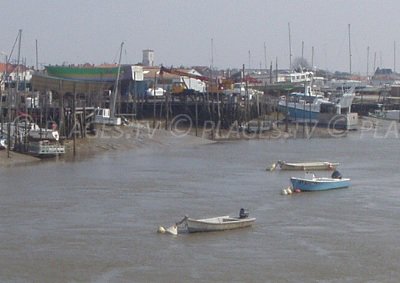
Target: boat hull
point(319, 184)
point(217, 224)
point(45, 148)
point(301, 115)
point(311, 166)
point(393, 115)
point(98, 74)
point(298, 114)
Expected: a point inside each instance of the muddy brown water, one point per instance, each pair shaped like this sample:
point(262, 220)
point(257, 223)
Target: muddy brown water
point(95, 220)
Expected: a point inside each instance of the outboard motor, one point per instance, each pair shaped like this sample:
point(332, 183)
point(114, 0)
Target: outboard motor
point(336, 175)
point(244, 213)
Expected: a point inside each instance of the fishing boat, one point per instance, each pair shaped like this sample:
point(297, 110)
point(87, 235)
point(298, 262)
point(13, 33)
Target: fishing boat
point(83, 73)
point(310, 107)
point(312, 183)
point(219, 223)
point(305, 166)
point(28, 137)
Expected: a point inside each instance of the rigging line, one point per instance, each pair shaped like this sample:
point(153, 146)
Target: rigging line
point(12, 50)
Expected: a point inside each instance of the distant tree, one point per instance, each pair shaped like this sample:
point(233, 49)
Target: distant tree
point(300, 63)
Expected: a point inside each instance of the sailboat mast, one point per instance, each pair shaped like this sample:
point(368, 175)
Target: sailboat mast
point(112, 110)
point(394, 57)
point(349, 49)
point(37, 60)
point(212, 66)
point(290, 49)
point(265, 56)
point(312, 57)
point(212, 53)
point(367, 62)
point(249, 67)
point(19, 56)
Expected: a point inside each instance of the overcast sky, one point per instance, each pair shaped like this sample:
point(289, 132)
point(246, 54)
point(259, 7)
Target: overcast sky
point(222, 33)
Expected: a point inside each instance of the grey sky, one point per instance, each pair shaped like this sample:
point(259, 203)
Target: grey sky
point(180, 32)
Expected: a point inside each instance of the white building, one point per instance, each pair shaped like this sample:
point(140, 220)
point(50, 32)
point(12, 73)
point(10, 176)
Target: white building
point(148, 58)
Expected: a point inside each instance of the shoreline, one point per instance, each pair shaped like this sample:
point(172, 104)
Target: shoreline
point(141, 135)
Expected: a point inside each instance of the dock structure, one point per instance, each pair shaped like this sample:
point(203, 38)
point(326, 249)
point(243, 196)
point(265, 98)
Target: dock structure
point(69, 96)
point(74, 101)
point(68, 102)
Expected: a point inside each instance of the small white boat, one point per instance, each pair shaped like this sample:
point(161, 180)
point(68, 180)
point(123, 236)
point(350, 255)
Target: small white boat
point(219, 223)
point(305, 166)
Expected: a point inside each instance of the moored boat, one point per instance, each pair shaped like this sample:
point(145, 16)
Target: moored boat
point(313, 183)
point(83, 73)
point(29, 138)
point(311, 108)
point(305, 166)
point(219, 223)
point(386, 114)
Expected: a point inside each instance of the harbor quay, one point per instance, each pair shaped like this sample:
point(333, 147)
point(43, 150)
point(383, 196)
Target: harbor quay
point(61, 105)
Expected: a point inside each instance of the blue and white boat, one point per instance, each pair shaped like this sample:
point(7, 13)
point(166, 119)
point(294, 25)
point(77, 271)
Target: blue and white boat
point(308, 107)
point(312, 183)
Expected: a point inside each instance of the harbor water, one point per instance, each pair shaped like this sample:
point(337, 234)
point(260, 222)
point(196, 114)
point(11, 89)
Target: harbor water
point(96, 219)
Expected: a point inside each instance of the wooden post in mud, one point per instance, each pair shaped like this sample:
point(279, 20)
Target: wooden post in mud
point(218, 108)
point(74, 120)
point(287, 113)
point(166, 111)
point(304, 117)
point(276, 105)
point(246, 95)
point(154, 100)
point(197, 115)
point(83, 131)
point(8, 135)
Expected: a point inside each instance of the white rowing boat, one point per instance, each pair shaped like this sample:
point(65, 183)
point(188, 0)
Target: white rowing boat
point(219, 223)
point(305, 166)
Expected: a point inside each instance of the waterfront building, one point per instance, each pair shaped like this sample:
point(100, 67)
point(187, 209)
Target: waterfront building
point(148, 58)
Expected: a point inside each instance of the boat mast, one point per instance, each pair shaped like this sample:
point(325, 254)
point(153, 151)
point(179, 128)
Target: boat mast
point(265, 56)
point(367, 62)
point(113, 98)
point(312, 57)
point(290, 49)
point(350, 49)
point(394, 57)
point(37, 60)
point(19, 57)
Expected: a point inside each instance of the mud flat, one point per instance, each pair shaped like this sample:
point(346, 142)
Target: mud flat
point(141, 135)
point(127, 138)
point(15, 158)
